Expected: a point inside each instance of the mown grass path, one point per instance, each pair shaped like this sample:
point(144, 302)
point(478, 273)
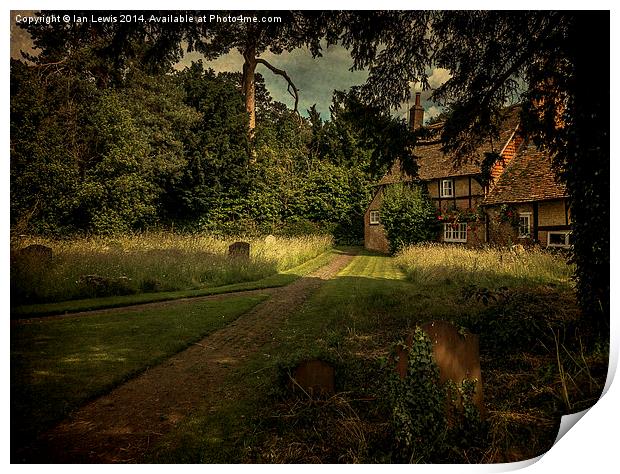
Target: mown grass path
point(122, 425)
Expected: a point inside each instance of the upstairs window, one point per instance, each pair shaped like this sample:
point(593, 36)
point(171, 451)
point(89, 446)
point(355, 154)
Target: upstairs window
point(447, 188)
point(374, 217)
point(524, 225)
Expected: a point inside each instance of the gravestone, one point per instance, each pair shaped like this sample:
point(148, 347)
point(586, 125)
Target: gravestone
point(239, 250)
point(270, 239)
point(456, 353)
point(315, 377)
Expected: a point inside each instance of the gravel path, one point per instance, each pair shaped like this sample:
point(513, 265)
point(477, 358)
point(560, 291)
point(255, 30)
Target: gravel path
point(119, 427)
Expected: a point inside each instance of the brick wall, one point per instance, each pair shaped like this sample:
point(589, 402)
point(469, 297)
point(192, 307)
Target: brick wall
point(550, 213)
point(374, 234)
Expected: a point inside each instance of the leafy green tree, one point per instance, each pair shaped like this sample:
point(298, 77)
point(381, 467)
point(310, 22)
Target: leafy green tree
point(216, 175)
point(408, 215)
point(48, 150)
point(83, 159)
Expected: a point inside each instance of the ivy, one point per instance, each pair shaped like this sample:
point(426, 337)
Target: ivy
point(431, 421)
point(461, 215)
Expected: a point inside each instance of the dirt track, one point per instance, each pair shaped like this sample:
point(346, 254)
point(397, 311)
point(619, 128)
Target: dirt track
point(119, 427)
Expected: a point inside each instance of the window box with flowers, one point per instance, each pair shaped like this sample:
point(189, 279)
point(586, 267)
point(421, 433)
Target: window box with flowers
point(457, 222)
point(460, 215)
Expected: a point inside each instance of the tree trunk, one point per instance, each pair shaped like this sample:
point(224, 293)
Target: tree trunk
point(248, 87)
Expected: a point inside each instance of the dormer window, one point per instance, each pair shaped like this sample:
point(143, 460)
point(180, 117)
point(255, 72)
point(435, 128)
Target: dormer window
point(447, 188)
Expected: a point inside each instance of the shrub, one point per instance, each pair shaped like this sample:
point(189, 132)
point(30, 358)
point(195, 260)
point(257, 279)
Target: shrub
point(433, 422)
point(408, 215)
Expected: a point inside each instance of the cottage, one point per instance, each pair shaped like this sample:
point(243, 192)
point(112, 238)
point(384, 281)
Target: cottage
point(527, 205)
point(520, 202)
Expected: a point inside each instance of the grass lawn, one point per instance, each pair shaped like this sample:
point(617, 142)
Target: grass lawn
point(151, 262)
point(58, 364)
point(281, 278)
point(537, 364)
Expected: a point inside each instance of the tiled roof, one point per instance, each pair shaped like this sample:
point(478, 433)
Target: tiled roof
point(528, 177)
point(434, 164)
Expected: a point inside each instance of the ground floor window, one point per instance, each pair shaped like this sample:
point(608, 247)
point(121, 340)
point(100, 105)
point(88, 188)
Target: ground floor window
point(524, 225)
point(374, 217)
point(559, 239)
point(455, 232)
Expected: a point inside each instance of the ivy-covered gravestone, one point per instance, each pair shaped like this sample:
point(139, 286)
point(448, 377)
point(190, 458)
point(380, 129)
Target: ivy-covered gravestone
point(456, 354)
point(436, 394)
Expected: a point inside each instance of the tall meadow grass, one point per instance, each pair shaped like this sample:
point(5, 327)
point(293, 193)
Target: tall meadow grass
point(489, 267)
point(98, 266)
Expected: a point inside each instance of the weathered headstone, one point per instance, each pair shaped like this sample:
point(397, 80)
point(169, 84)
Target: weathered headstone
point(315, 377)
point(456, 353)
point(270, 239)
point(239, 250)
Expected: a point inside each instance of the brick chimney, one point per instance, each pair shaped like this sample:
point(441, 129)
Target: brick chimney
point(416, 113)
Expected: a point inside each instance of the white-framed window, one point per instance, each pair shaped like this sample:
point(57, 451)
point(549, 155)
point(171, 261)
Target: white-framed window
point(525, 219)
point(455, 232)
point(374, 217)
point(559, 238)
point(447, 188)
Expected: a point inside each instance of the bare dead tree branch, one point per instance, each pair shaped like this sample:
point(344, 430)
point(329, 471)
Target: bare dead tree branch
point(295, 91)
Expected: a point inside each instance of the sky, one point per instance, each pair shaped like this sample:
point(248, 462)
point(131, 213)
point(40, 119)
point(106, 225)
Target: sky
point(316, 78)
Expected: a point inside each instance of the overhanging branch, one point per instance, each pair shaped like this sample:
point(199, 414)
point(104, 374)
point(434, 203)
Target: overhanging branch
point(292, 89)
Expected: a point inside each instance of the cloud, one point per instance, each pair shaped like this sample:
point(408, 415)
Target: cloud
point(316, 78)
point(438, 77)
point(432, 111)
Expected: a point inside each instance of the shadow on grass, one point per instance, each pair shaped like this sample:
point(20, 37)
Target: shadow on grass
point(353, 321)
point(355, 317)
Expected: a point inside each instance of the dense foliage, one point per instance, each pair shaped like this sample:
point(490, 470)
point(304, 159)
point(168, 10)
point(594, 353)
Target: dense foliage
point(408, 215)
point(172, 150)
